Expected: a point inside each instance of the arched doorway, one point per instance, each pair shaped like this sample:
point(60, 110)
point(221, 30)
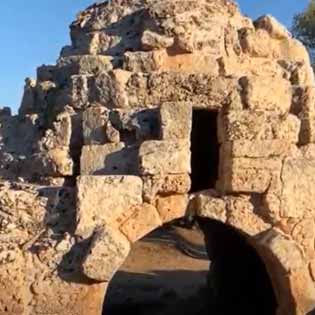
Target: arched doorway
point(157, 270)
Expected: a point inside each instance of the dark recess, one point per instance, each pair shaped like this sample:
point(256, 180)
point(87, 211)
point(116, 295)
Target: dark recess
point(205, 150)
point(238, 280)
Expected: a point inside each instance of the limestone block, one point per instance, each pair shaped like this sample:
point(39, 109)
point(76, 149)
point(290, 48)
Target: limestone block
point(267, 93)
point(165, 185)
point(144, 219)
point(136, 125)
point(94, 120)
point(164, 157)
point(247, 174)
point(257, 43)
point(176, 121)
point(257, 149)
point(210, 39)
point(104, 199)
point(272, 26)
point(152, 40)
point(304, 234)
point(109, 159)
point(108, 250)
point(28, 99)
point(59, 136)
point(284, 249)
point(257, 126)
point(244, 215)
point(79, 91)
point(172, 207)
point(55, 162)
point(162, 60)
point(250, 66)
point(298, 191)
point(208, 204)
point(110, 88)
point(202, 90)
point(303, 290)
point(83, 65)
point(307, 115)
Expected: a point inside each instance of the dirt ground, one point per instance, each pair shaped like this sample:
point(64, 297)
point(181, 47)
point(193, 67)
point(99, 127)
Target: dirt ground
point(159, 277)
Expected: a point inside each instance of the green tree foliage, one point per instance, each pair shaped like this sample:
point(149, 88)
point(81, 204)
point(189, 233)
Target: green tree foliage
point(303, 27)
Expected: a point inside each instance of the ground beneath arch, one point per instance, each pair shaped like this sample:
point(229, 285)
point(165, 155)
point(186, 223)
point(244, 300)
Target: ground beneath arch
point(159, 278)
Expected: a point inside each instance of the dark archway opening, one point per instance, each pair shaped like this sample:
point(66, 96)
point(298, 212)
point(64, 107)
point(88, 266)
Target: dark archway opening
point(238, 280)
point(164, 274)
point(204, 150)
point(159, 279)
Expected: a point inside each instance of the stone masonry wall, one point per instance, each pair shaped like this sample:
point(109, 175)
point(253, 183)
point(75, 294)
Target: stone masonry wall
point(99, 154)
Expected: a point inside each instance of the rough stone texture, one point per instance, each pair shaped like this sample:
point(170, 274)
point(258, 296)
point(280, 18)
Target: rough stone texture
point(108, 250)
point(258, 125)
point(100, 199)
point(119, 101)
point(297, 195)
point(247, 175)
point(259, 94)
point(170, 157)
point(165, 185)
point(94, 123)
point(109, 159)
point(143, 220)
point(208, 204)
point(176, 121)
point(172, 207)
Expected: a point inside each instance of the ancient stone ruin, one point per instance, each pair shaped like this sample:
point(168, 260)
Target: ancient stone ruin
point(159, 109)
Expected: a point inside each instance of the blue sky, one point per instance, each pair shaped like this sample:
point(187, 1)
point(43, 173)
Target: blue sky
point(32, 33)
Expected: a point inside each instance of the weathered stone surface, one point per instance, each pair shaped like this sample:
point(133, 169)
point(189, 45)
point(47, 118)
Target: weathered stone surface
point(257, 149)
point(136, 125)
point(94, 122)
point(100, 200)
point(298, 191)
point(160, 157)
point(258, 125)
point(162, 60)
point(152, 40)
point(267, 93)
point(59, 136)
point(203, 91)
point(118, 92)
point(244, 215)
point(109, 159)
point(304, 234)
point(110, 88)
point(285, 250)
point(108, 250)
point(306, 113)
point(165, 185)
point(176, 121)
point(144, 219)
point(55, 162)
point(79, 91)
point(171, 207)
point(247, 174)
point(250, 66)
point(272, 26)
point(208, 204)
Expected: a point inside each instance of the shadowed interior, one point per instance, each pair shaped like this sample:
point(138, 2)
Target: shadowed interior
point(204, 150)
point(238, 281)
